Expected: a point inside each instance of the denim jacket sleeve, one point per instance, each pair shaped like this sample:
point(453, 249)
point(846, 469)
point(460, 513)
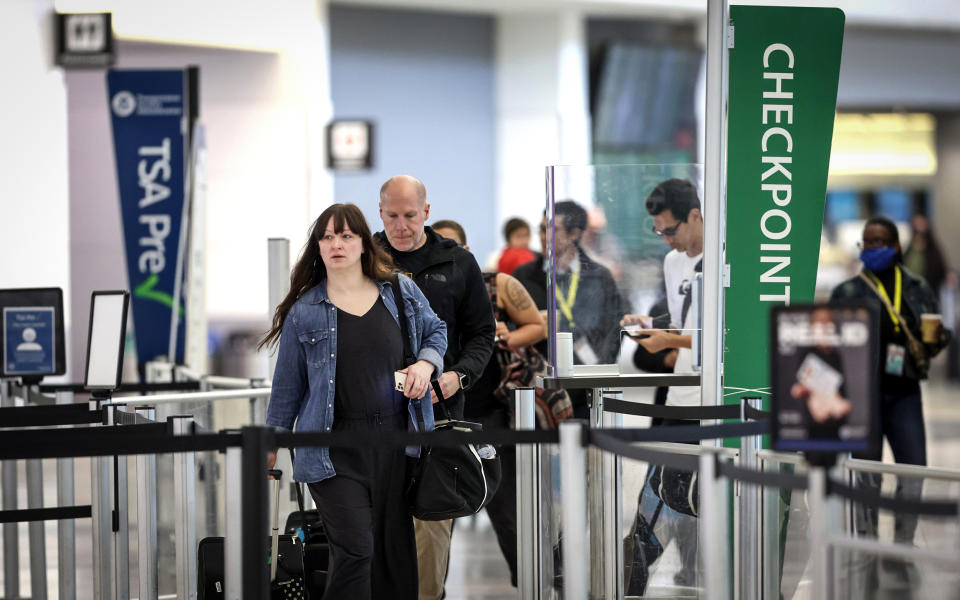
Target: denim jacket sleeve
point(432, 342)
point(289, 377)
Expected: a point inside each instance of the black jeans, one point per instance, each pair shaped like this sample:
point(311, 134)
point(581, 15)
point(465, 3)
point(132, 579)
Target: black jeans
point(373, 551)
point(901, 422)
point(502, 508)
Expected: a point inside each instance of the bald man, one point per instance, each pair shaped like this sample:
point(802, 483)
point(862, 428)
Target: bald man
point(451, 280)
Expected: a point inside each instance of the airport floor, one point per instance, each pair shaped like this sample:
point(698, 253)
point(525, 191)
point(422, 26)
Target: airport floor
point(478, 571)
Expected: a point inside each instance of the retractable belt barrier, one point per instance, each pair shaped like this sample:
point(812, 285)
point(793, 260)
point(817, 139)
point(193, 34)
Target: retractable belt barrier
point(41, 416)
point(681, 413)
point(138, 388)
point(155, 438)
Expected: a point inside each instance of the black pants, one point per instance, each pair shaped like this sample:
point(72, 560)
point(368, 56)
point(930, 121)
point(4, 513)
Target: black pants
point(502, 508)
point(373, 551)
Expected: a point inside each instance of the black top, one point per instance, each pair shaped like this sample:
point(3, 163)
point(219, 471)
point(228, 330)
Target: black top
point(480, 399)
point(369, 350)
point(451, 280)
point(414, 261)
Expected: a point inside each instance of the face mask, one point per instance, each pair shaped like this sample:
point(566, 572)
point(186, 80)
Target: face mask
point(878, 259)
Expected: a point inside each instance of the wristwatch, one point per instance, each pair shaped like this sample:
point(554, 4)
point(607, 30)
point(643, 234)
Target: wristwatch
point(463, 380)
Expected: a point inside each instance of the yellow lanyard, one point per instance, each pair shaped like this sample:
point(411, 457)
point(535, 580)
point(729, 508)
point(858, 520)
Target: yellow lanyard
point(566, 304)
point(896, 297)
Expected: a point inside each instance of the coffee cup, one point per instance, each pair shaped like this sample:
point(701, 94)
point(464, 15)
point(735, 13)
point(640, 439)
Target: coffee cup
point(930, 327)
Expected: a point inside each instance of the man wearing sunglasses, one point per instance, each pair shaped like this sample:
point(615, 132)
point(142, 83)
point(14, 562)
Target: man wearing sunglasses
point(675, 208)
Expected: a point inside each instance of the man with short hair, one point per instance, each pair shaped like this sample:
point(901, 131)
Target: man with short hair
point(451, 280)
point(677, 218)
point(675, 208)
point(588, 302)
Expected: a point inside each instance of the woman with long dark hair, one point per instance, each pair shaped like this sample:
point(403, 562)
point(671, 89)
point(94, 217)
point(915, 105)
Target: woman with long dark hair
point(340, 344)
point(901, 297)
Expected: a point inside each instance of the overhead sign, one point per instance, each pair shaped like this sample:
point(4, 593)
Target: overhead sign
point(350, 145)
point(85, 40)
point(784, 68)
point(149, 115)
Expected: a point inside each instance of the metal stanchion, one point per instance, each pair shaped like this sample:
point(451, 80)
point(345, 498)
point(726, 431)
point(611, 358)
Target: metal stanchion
point(66, 528)
point(11, 550)
point(35, 529)
point(770, 538)
point(101, 523)
point(714, 512)
point(233, 535)
point(611, 505)
point(121, 523)
point(574, 510)
point(185, 521)
point(750, 517)
point(278, 271)
point(256, 442)
point(819, 552)
point(596, 486)
point(147, 518)
point(528, 500)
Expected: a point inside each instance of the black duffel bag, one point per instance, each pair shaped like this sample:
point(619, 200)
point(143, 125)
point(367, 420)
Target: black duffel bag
point(447, 482)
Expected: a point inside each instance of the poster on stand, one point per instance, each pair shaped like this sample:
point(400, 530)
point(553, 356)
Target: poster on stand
point(823, 369)
point(784, 69)
point(149, 112)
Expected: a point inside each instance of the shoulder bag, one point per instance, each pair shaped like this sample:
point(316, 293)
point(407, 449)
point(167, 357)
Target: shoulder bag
point(520, 369)
point(447, 482)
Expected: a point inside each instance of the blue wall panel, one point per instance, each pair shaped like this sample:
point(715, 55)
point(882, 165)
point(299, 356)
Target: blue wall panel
point(426, 80)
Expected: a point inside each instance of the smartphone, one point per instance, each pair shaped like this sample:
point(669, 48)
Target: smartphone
point(399, 380)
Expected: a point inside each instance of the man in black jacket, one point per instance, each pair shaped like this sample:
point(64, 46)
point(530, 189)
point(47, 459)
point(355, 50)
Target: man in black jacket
point(451, 280)
point(588, 301)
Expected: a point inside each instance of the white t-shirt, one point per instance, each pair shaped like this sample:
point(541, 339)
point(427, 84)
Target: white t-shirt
point(679, 270)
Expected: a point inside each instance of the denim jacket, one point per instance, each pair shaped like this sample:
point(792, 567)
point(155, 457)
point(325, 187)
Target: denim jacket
point(305, 377)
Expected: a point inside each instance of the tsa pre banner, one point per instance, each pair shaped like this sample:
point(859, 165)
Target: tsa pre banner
point(148, 112)
point(784, 68)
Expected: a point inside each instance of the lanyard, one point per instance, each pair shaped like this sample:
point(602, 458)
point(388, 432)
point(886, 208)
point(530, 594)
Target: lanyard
point(566, 304)
point(896, 297)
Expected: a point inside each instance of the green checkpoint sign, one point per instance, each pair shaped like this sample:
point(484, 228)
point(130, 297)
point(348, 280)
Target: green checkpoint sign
point(784, 68)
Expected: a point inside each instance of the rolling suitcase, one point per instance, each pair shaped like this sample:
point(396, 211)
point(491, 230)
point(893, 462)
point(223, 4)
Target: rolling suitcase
point(286, 569)
point(286, 572)
point(308, 526)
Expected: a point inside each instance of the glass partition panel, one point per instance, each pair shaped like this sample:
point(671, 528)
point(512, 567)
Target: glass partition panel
point(606, 234)
point(889, 577)
point(931, 533)
point(786, 544)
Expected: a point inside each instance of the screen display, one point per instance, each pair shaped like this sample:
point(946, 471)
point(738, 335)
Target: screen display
point(32, 340)
point(824, 377)
point(108, 324)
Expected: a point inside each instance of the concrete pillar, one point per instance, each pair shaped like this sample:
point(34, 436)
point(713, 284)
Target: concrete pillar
point(542, 107)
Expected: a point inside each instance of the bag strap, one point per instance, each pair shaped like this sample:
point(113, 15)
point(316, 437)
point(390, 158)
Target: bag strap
point(408, 357)
point(688, 297)
point(296, 484)
point(886, 303)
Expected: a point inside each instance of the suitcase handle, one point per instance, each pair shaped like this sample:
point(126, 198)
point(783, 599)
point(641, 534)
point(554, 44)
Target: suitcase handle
point(276, 474)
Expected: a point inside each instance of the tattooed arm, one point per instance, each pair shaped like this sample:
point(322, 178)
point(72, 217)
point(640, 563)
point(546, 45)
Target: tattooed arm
point(514, 298)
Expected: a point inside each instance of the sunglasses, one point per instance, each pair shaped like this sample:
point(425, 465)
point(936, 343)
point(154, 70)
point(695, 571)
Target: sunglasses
point(669, 231)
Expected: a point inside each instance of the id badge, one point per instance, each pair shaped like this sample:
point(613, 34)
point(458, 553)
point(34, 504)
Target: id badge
point(895, 357)
point(584, 352)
